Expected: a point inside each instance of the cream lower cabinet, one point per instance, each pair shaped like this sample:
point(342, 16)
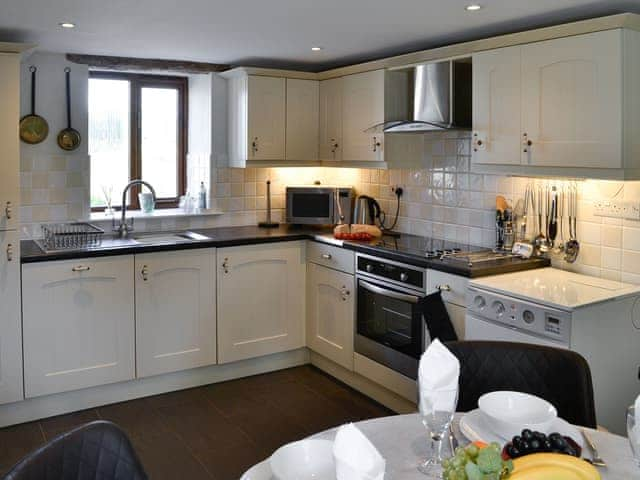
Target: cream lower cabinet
point(330, 313)
point(175, 311)
point(261, 299)
point(10, 326)
point(78, 324)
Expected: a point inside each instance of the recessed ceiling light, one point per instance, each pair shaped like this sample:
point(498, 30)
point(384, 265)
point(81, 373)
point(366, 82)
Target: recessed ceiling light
point(67, 24)
point(473, 7)
point(316, 49)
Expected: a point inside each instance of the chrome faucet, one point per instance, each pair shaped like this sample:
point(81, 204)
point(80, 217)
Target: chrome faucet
point(124, 228)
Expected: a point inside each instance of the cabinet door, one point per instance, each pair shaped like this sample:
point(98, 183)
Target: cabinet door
point(10, 325)
point(9, 146)
point(572, 101)
point(266, 118)
point(330, 314)
point(331, 119)
point(78, 324)
point(302, 120)
point(175, 311)
point(496, 107)
point(261, 305)
point(363, 108)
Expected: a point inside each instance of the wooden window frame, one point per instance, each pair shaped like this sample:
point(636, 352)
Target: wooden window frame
point(137, 82)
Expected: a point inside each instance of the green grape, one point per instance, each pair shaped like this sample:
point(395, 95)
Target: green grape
point(473, 450)
point(461, 474)
point(489, 460)
point(472, 471)
point(446, 463)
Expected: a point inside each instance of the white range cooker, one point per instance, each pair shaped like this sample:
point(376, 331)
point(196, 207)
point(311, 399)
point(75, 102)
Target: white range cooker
point(598, 318)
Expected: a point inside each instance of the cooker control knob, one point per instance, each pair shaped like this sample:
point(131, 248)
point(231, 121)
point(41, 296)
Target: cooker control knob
point(498, 308)
point(404, 277)
point(528, 317)
point(369, 268)
point(479, 302)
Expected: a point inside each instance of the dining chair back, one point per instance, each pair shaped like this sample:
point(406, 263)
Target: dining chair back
point(560, 376)
point(96, 450)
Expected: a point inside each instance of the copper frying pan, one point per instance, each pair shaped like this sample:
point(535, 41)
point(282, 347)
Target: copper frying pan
point(33, 128)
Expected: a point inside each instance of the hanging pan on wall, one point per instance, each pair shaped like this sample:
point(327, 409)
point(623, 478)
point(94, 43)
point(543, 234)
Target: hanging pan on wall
point(33, 128)
point(69, 138)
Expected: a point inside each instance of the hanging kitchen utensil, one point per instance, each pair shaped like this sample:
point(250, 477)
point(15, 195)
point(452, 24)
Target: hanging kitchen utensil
point(33, 128)
point(561, 211)
point(553, 216)
point(572, 248)
point(540, 241)
point(69, 138)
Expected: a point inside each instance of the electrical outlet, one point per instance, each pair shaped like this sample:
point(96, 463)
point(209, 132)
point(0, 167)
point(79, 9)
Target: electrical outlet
point(608, 208)
point(631, 210)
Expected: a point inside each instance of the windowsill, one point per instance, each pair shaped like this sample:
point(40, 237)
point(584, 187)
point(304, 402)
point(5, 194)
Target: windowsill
point(159, 213)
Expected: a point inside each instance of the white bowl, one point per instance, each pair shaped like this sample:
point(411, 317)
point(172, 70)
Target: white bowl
point(508, 413)
point(304, 460)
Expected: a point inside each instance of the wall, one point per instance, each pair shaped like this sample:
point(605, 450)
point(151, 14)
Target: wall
point(54, 183)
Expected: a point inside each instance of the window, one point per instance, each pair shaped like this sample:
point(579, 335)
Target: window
point(137, 129)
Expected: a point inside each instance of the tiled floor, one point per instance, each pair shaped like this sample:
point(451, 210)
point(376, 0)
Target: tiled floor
point(216, 431)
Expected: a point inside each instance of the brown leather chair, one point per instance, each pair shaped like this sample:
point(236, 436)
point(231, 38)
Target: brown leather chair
point(560, 376)
point(98, 450)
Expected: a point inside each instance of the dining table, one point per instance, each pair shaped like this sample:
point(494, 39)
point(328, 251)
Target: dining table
point(402, 440)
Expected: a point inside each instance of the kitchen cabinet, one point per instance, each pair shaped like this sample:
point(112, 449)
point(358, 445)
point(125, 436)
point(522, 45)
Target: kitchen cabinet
point(330, 313)
point(175, 311)
point(78, 324)
point(572, 101)
point(302, 117)
point(266, 118)
point(559, 107)
point(9, 140)
point(10, 325)
point(261, 299)
point(496, 106)
point(331, 119)
point(363, 108)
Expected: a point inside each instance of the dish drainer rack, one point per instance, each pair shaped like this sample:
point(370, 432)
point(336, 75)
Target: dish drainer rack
point(69, 236)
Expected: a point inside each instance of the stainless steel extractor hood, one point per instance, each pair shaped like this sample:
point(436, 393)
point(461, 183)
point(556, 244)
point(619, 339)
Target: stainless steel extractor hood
point(439, 98)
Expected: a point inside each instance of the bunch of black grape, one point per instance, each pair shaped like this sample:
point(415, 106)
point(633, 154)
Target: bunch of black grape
point(536, 442)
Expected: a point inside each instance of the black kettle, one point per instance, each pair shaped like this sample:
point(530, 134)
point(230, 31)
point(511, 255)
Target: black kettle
point(366, 210)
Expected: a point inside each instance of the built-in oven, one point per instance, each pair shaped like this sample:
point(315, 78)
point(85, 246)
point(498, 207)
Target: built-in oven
point(390, 327)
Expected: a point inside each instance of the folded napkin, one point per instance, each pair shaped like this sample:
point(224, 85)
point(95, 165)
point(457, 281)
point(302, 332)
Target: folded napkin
point(355, 456)
point(438, 375)
point(636, 428)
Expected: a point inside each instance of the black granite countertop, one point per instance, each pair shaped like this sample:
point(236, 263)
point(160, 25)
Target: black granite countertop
point(409, 249)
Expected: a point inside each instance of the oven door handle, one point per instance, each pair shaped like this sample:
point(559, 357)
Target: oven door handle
point(388, 293)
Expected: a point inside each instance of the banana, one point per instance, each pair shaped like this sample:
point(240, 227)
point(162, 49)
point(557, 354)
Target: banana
point(552, 466)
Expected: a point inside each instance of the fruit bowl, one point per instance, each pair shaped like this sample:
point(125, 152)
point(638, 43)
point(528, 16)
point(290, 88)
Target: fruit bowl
point(507, 413)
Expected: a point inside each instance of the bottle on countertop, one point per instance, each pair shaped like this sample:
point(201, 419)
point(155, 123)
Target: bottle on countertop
point(202, 197)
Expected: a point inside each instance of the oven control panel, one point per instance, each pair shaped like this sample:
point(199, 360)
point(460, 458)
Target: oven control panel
point(390, 271)
point(520, 314)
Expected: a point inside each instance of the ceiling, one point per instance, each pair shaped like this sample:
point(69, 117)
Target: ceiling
point(278, 33)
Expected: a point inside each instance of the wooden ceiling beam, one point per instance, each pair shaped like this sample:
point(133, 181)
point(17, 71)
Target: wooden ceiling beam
point(131, 63)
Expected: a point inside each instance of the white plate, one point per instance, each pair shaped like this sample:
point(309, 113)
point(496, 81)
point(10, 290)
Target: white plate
point(261, 471)
point(472, 426)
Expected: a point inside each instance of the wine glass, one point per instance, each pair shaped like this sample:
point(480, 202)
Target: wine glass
point(437, 410)
point(633, 432)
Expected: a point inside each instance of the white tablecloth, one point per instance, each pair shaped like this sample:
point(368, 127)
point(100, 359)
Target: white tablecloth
point(402, 441)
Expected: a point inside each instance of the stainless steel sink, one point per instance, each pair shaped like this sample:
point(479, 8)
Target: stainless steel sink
point(161, 238)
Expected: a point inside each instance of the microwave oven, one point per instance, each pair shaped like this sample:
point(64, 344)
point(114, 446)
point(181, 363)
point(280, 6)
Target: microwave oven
point(319, 204)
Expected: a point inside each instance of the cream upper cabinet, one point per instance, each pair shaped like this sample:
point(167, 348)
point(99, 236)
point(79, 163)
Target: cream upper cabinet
point(266, 118)
point(303, 99)
point(9, 140)
point(330, 313)
point(78, 324)
point(572, 101)
point(10, 324)
point(496, 107)
point(175, 311)
point(331, 119)
point(363, 107)
point(261, 299)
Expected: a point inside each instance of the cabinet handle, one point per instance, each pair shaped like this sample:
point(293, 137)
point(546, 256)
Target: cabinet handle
point(326, 256)
point(526, 143)
point(254, 145)
point(81, 268)
point(145, 273)
point(9, 252)
point(376, 144)
point(443, 288)
point(334, 145)
point(8, 210)
point(478, 144)
point(344, 291)
point(225, 265)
